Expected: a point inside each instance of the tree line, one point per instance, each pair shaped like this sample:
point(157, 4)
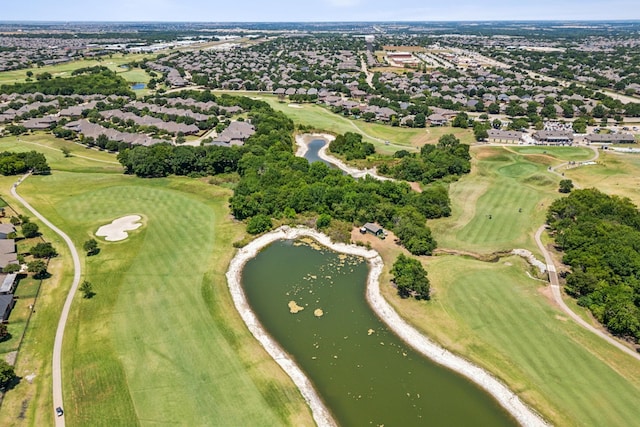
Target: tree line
point(449, 158)
point(94, 80)
point(351, 146)
point(18, 163)
point(273, 183)
point(600, 237)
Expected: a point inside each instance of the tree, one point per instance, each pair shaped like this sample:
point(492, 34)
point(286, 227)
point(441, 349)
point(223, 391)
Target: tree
point(87, 290)
point(480, 131)
point(38, 268)
point(259, 224)
point(580, 126)
point(410, 278)
point(323, 221)
point(566, 185)
point(43, 250)
point(91, 247)
point(11, 268)
point(4, 332)
point(30, 230)
point(461, 120)
point(7, 374)
point(420, 120)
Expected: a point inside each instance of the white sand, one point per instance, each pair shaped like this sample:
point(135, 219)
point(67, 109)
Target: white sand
point(117, 230)
point(510, 401)
point(295, 105)
point(302, 141)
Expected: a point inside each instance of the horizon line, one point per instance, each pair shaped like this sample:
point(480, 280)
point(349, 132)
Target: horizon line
point(398, 21)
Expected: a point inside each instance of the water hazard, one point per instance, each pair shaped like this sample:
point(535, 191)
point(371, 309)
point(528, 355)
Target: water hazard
point(312, 152)
point(311, 300)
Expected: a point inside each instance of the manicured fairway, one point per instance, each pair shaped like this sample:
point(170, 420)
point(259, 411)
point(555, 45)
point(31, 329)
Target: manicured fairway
point(160, 342)
point(499, 205)
point(614, 174)
point(498, 317)
point(560, 153)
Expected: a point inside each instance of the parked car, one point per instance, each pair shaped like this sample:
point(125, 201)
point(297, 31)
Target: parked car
point(59, 411)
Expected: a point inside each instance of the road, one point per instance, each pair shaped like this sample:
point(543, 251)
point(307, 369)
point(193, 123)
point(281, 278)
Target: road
point(56, 372)
point(557, 296)
point(366, 71)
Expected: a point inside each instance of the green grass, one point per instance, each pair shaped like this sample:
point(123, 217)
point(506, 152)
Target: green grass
point(82, 159)
point(160, 342)
point(614, 174)
point(321, 118)
point(64, 70)
point(499, 205)
point(560, 153)
point(496, 316)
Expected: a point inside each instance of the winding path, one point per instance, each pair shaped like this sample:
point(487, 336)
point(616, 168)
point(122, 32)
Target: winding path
point(56, 372)
point(557, 296)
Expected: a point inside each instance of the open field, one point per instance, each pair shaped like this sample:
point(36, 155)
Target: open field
point(498, 317)
point(614, 174)
point(183, 356)
point(82, 159)
point(501, 203)
point(64, 70)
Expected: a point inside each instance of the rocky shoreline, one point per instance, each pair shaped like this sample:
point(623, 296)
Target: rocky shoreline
point(321, 414)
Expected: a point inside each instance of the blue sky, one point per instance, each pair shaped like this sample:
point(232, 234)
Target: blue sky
point(317, 10)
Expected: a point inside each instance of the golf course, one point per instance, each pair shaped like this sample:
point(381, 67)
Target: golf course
point(161, 342)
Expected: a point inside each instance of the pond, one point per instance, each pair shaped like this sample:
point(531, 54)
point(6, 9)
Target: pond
point(311, 300)
point(312, 152)
point(138, 86)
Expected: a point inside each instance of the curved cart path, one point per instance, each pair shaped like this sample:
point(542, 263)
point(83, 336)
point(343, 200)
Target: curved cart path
point(56, 372)
point(557, 296)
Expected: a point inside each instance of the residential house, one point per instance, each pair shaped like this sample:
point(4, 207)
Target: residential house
point(6, 230)
point(6, 305)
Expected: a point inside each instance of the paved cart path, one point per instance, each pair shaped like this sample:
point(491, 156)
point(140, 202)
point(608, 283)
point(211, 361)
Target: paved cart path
point(62, 322)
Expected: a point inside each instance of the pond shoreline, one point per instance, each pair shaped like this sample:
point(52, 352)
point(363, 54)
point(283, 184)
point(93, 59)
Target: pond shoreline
point(303, 140)
point(321, 414)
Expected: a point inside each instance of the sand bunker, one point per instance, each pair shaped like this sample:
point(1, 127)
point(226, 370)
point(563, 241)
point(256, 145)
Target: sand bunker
point(318, 312)
point(117, 230)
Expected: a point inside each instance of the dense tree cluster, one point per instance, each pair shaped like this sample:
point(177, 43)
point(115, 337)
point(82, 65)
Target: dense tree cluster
point(410, 278)
point(163, 159)
point(17, 163)
point(274, 183)
point(43, 250)
point(350, 146)
point(95, 80)
point(448, 158)
point(600, 236)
